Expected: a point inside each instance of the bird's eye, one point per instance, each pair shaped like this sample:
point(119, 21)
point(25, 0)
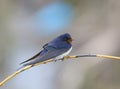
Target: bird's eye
point(65, 39)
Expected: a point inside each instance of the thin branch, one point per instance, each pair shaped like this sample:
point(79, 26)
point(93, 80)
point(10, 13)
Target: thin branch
point(65, 58)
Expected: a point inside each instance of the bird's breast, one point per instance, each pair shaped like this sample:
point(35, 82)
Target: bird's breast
point(64, 54)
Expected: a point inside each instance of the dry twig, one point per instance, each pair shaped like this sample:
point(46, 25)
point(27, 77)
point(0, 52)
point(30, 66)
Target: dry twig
point(50, 60)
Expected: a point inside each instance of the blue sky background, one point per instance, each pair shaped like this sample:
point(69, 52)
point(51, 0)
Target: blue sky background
point(54, 17)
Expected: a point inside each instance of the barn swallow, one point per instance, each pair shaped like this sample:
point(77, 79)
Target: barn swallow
point(55, 49)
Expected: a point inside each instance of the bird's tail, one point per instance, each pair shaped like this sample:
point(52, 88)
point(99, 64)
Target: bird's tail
point(21, 69)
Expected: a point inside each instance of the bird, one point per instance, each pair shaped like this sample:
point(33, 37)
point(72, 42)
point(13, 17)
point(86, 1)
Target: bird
point(56, 49)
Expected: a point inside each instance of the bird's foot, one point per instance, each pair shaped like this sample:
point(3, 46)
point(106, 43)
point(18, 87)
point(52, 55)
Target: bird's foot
point(64, 58)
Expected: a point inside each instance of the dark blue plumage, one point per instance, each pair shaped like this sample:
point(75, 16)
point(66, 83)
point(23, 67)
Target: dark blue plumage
point(55, 49)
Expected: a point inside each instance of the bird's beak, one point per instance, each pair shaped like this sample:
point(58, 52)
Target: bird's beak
point(70, 40)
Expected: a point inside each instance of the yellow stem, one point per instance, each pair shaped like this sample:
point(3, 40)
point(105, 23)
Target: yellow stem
point(107, 56)
point(14, 74)
point(50, 60)
point(21, 70)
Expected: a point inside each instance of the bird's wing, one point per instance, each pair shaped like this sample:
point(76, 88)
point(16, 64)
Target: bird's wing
point(46, 55)
point(32, 58)
point(35, 56)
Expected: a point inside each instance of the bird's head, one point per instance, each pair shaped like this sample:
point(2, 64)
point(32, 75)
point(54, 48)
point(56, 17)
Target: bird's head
point(65, 37)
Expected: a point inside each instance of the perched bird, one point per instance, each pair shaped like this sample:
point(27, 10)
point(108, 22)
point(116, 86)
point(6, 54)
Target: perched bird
point(55, 49)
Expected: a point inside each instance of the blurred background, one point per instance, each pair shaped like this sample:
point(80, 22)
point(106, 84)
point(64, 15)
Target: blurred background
point(26, 25)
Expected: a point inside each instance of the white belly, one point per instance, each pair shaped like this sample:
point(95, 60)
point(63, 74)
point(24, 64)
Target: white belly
point(65, 54)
